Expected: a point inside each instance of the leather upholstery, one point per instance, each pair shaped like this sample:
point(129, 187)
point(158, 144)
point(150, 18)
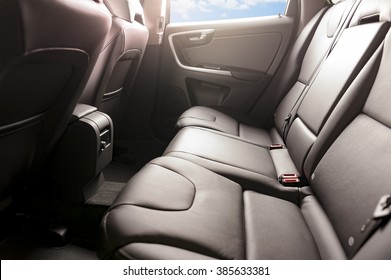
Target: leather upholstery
point(214, 213)
point(262, 230)
point(129, 10)
point(43, 68)
point(367, 9)
point(116, 69)
point(312, 56)
point(211, 118)
point(355, 165)
point(318, 100)
point(346, 179)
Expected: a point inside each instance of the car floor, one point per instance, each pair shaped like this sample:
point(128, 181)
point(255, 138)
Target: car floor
point(116, 175)
point(17, 248)
point(36, 225)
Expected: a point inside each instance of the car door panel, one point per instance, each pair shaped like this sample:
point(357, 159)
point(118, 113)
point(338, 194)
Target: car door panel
point(224, 54)
point(222, 63)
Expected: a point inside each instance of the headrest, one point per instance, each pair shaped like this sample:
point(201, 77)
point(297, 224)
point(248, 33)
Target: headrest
point(130, 10)
point(136, 11)
point(372, 11)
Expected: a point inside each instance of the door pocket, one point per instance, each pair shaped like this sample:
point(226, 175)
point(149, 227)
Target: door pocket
point(206, 94)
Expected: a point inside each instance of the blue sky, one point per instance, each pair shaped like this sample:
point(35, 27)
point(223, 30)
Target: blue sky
point(197, 10)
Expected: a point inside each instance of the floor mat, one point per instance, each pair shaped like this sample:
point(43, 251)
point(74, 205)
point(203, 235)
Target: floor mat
point(106, 194)
point(118, 172)
point(17, 248)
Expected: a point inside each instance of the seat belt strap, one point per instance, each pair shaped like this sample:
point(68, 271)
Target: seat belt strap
point(348, 15)
point(287, 122)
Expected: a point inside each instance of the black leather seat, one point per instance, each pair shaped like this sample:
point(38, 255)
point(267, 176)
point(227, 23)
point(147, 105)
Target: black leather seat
point(294, 78)
point(47, 50)
point(245, 160)
point(174, 208)
point(112, 79)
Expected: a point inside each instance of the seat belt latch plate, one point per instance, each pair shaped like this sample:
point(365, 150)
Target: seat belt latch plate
point(276, 146)
point(383, 208)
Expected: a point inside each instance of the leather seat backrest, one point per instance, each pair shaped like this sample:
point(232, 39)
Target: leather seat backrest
point(355, 47)
point(119, 60)
point(47, 49)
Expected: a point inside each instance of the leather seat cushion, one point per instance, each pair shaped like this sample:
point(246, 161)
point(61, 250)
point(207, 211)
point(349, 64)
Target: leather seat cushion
point(168, 193)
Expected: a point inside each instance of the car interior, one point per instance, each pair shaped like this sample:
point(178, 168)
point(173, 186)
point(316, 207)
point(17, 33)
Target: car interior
point(126, 135)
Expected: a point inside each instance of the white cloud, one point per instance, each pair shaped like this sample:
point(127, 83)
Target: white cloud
point(184, 8)
point(204, 7)
point(229, 4)
point(256, 2)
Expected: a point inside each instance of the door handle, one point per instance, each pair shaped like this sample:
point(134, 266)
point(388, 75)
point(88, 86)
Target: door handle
point(198, 38)
point(188, 39)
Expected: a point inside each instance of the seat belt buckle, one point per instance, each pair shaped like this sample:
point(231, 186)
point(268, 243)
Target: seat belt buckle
point(290, 180)
point(382, 210)
point(276, 147)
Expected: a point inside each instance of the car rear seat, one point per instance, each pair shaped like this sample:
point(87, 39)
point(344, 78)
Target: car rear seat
point(247, 162)
point(302, 72)
point(175, 209)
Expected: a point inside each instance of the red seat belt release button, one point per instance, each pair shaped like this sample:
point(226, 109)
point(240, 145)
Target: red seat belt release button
point(290, 180)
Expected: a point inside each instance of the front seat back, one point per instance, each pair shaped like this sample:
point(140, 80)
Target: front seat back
point(117, 66)
point(47, 49)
